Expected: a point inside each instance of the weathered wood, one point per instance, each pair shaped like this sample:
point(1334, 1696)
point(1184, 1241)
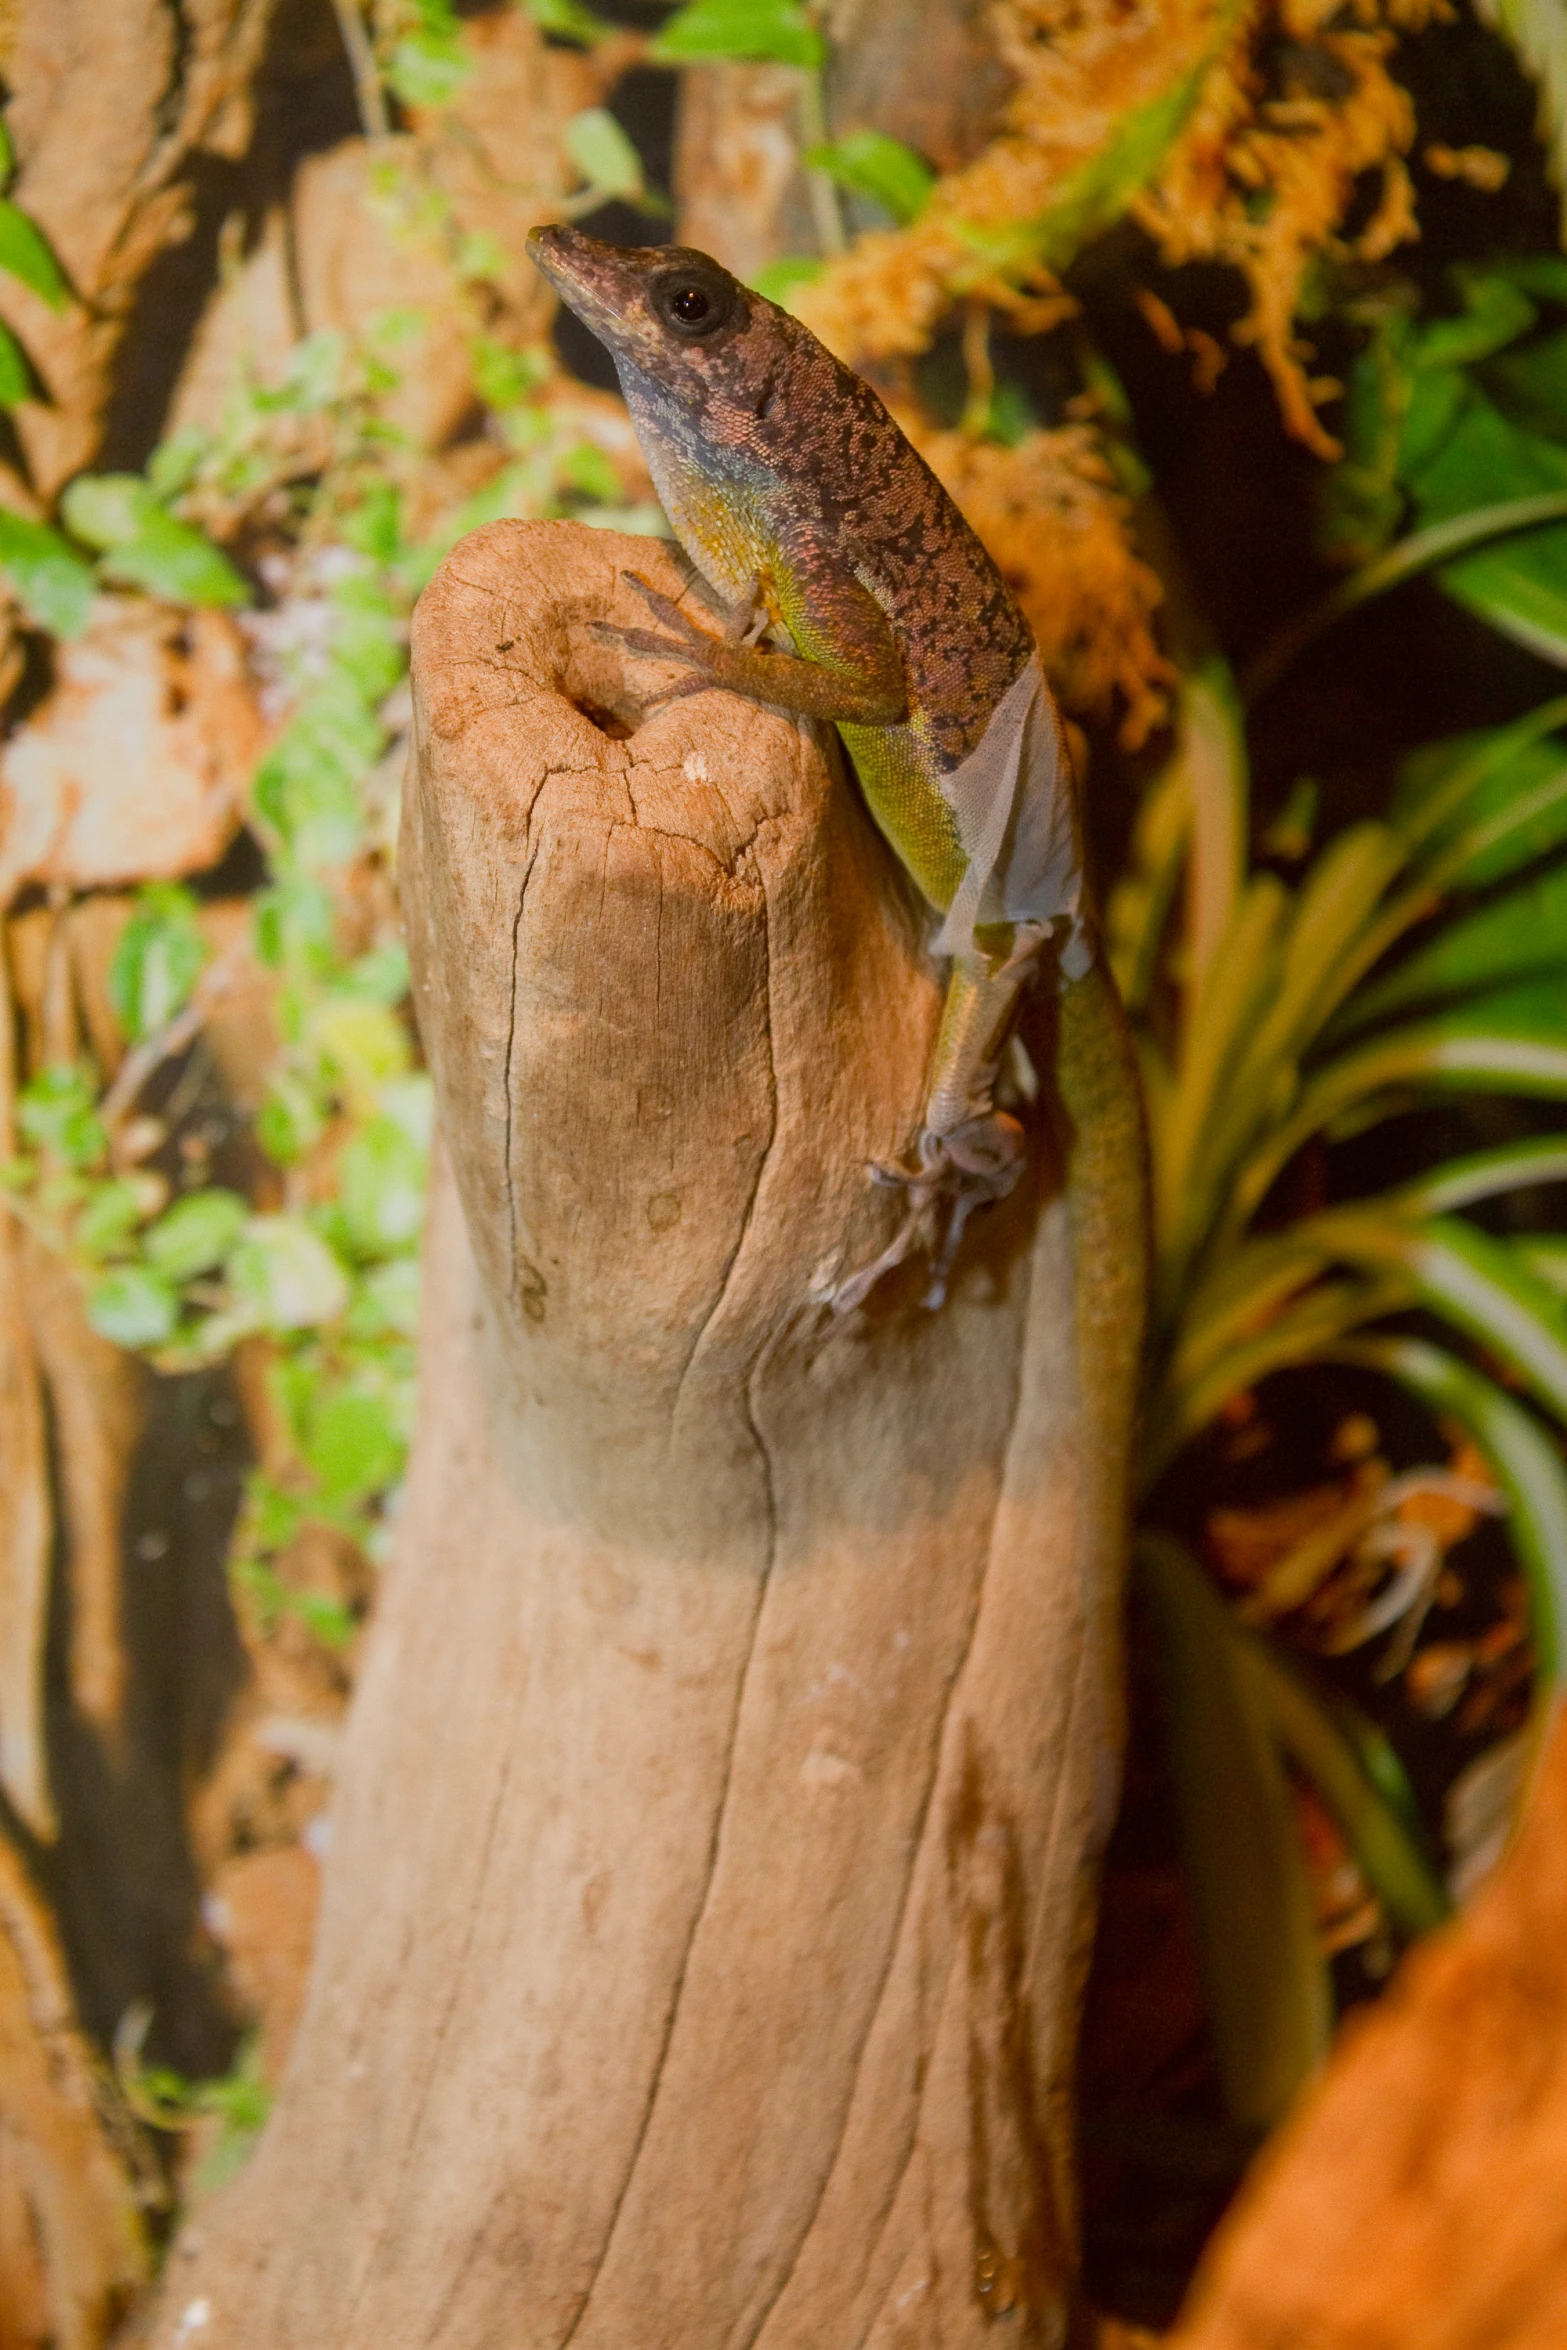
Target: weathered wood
point(710, 1877)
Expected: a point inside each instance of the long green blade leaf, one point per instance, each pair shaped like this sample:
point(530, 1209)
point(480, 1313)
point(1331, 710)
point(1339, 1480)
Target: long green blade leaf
point(1422, 551)
point(1522, 936)
point(1512, 1044)
point(1383, 1833)
point(1471, 1280)
point(1269, 1999)
point(25, 252)
point(1182, 1408)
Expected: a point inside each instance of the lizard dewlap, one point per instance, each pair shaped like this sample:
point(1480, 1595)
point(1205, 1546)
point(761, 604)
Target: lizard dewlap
point(859, 595)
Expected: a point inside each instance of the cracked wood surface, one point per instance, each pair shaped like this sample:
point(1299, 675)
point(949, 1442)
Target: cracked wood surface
point(708, 1893)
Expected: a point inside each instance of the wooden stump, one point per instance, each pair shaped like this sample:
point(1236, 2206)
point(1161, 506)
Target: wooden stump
point(710, 1877)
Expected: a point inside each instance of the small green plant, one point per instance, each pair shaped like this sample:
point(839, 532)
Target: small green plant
point(1417, 959)
point(228, 2111)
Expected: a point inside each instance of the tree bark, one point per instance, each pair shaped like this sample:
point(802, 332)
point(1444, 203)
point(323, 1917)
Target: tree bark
point(710, 1879)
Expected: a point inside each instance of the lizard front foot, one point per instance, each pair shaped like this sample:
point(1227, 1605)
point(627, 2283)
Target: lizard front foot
point(976, 1163)
point(687, 642)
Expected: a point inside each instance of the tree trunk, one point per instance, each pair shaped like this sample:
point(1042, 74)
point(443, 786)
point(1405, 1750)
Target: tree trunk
point(710, 1880)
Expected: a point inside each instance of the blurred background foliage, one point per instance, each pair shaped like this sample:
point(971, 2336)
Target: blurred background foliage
point(1239, 330)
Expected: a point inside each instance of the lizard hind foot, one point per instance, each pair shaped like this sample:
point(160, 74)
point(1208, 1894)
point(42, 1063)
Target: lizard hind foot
point(967, 1168)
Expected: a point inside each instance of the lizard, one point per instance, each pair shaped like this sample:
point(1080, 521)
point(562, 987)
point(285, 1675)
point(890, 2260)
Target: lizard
point(803, 504)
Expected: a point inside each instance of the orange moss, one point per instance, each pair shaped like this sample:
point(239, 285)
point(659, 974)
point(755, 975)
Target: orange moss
point(1269, 167)
point(1296, 112)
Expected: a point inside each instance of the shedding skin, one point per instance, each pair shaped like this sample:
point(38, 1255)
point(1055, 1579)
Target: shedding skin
point(804, 506)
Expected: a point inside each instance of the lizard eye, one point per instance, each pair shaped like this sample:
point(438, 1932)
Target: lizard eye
point(693, 304)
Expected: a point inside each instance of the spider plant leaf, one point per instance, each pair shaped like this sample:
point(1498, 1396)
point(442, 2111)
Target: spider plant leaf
point(1138, 908)
point(1183, 1405)
point(1361, 1780)
point(1512, 1043)
point(1458, 1183)
point(1545, 1255)
point(1335, 905)
point(1519, 936)
point(1448, 788)
point(1269, 1997)
point(1476, 1283)
point(1240, 980)
point(1527, 1465)
point(1212, 761)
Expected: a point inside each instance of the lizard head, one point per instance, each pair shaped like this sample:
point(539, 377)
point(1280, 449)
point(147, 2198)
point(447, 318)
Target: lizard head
point(672, 315)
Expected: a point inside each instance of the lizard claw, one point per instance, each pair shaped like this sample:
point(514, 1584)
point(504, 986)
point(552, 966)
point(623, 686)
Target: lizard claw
point(976, 1163)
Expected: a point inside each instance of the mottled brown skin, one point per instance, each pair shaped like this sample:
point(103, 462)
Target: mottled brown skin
point(795, 493)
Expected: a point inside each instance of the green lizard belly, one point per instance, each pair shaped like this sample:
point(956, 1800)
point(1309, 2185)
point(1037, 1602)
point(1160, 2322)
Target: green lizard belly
point(897, 773)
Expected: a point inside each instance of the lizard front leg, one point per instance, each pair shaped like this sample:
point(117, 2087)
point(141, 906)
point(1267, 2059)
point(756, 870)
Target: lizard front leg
point(861, 683)
point(967, 1153)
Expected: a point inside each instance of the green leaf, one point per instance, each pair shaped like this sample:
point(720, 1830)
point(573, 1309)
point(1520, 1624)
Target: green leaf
point(568, 20)
point(307, 787)
point(1496, 312)
point(1191, 1397)
point(1527, 1465)
point(45, 572)
point(16, 377)
point(133, 1307)
point(160, 955)
point(107, 509)
point(1521, 936)
point(107, 1221)
point(145, 545)
point(25, 253)
point(171, 560)
point(1239, 982)
point(1479, 806)
point(1504, 586)
point(1530, 386)
point(747, 29)
point(1515, 1043)
point(1518, 583)
point(1140, 901)
point(382, 1176)
point(354, 1444)
point(1537, 29)
point(1269, 1998)
point(775, 281)
point(292, 1118)
point(286, 1276)
point(363, 1041)
point(601, 151)
point(1471, 1280)
point(57, 1112)
point(1458, 1183)
point(428, 68)
point(196, 1233)
point(386, 1302)
point(1359, 1778)
point(874, 165)
point(379, 976)
point(174, 463)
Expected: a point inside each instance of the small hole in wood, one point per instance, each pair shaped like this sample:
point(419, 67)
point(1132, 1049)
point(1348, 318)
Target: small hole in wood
point(605, 720)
